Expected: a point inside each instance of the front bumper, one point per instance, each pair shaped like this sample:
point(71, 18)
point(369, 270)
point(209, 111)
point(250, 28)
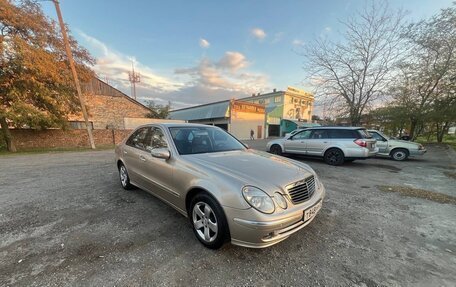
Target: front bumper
point(417, 152)
point(250, 228)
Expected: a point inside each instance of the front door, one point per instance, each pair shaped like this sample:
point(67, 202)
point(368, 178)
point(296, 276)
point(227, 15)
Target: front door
point(259, 130)
point(133, 154)
point(297, 143)
point(158, 172)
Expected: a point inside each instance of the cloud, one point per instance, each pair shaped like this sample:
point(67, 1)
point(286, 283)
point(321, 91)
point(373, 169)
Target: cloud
point(298, 42)
point(115, 66)
point(277, 37)
point(326, 30)
point(209, 80)
point(258, 33)
point(204, 43)
point(228, 73)
point(232, 61)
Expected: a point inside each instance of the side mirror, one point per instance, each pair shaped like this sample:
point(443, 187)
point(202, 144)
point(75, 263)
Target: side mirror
point(160, 153)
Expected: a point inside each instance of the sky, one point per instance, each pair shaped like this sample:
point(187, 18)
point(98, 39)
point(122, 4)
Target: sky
point(195, 52)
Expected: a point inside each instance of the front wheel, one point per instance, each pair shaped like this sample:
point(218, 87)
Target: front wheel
point(334, 156)
point(208, 220)
point(124, 178)
point(276, 149)
point(399, 154)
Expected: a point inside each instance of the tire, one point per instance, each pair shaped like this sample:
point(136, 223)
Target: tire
point(124, 177)
point(399, 154)
point(334, 156)
point(276, 149)
point(208, 221)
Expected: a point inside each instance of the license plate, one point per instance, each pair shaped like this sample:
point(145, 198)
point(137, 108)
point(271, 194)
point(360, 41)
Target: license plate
point(311, 212)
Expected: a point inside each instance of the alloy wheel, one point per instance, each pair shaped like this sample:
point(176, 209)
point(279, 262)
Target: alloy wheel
point(123, 176)
point(334, 157)
point(399, 155)
point(205, 222)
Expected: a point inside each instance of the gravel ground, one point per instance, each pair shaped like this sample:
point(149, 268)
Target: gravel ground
point(65, 220)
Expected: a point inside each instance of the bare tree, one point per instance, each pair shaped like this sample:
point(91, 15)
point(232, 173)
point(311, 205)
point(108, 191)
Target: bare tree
point(353, 73)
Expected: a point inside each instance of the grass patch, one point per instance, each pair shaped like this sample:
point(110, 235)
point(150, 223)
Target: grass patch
point(447, 139)
point(4, 152)
point(419, 193)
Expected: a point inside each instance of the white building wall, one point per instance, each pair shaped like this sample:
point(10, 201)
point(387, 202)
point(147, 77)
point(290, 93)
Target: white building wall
point(243, 122)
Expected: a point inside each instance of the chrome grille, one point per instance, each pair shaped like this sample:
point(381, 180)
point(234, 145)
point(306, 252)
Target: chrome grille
point(302, 190)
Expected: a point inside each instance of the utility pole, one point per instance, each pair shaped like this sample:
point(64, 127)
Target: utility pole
point(75, 74)
point(134, 78)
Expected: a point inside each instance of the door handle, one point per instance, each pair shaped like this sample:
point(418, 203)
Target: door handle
point(142, 158)
point(125, 152)
point(325, 142)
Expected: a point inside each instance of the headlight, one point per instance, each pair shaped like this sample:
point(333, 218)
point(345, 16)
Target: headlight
point(280, 200)
point(258, 199)
point(420, 147)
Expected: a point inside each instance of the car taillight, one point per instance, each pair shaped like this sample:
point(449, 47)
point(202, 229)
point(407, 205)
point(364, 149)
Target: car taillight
point(361, 143)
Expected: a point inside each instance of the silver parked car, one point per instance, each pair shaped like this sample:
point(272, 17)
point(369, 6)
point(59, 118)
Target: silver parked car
point(396, 149)
point(335, 144)
point(229, 192)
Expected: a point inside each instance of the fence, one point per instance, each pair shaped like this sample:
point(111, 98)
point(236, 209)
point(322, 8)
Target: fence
point(56, 138)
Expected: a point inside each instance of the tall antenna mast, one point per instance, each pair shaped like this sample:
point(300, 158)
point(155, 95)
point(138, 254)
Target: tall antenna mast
point(134, 78)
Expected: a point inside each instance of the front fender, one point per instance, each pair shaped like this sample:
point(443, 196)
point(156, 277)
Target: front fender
point(223, 191)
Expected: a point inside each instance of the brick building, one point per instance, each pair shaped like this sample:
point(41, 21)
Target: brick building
point(107, 107)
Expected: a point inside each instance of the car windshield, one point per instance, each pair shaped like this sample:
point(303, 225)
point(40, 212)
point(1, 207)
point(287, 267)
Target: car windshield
point(193, 140)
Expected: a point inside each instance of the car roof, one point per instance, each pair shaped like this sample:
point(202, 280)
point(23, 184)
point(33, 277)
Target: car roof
point(336, 128)
point(169, 125)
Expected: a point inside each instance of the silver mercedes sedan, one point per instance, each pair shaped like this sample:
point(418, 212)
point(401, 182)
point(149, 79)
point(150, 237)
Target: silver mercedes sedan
point(228, 191)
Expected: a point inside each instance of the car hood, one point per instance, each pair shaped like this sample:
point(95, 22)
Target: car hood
point(251, 167)
point(402, 143)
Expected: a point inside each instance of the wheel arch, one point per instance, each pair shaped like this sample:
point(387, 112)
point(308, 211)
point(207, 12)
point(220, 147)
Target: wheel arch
point(197, 190)
point(402, 148)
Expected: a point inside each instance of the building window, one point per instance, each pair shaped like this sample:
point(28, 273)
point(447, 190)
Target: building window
point(277, 99)
point(266, 101)
point(291, 100)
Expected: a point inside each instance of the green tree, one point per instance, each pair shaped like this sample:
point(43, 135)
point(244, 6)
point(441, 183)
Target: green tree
point(428, 73)
point(36, 85)
point(392, 119)
point(158, 111)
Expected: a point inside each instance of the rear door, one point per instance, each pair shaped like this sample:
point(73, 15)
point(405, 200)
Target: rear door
point(318, 142)
point(297, 143)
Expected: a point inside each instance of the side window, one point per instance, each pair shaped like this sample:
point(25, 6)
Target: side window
point(138, 138)
point(302, 135)
point(343, 134)
point(158, 139)
point(377, 136)
point(319, 134)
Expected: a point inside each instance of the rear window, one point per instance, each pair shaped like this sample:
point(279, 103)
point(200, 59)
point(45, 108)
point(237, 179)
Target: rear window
point(364, 134)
